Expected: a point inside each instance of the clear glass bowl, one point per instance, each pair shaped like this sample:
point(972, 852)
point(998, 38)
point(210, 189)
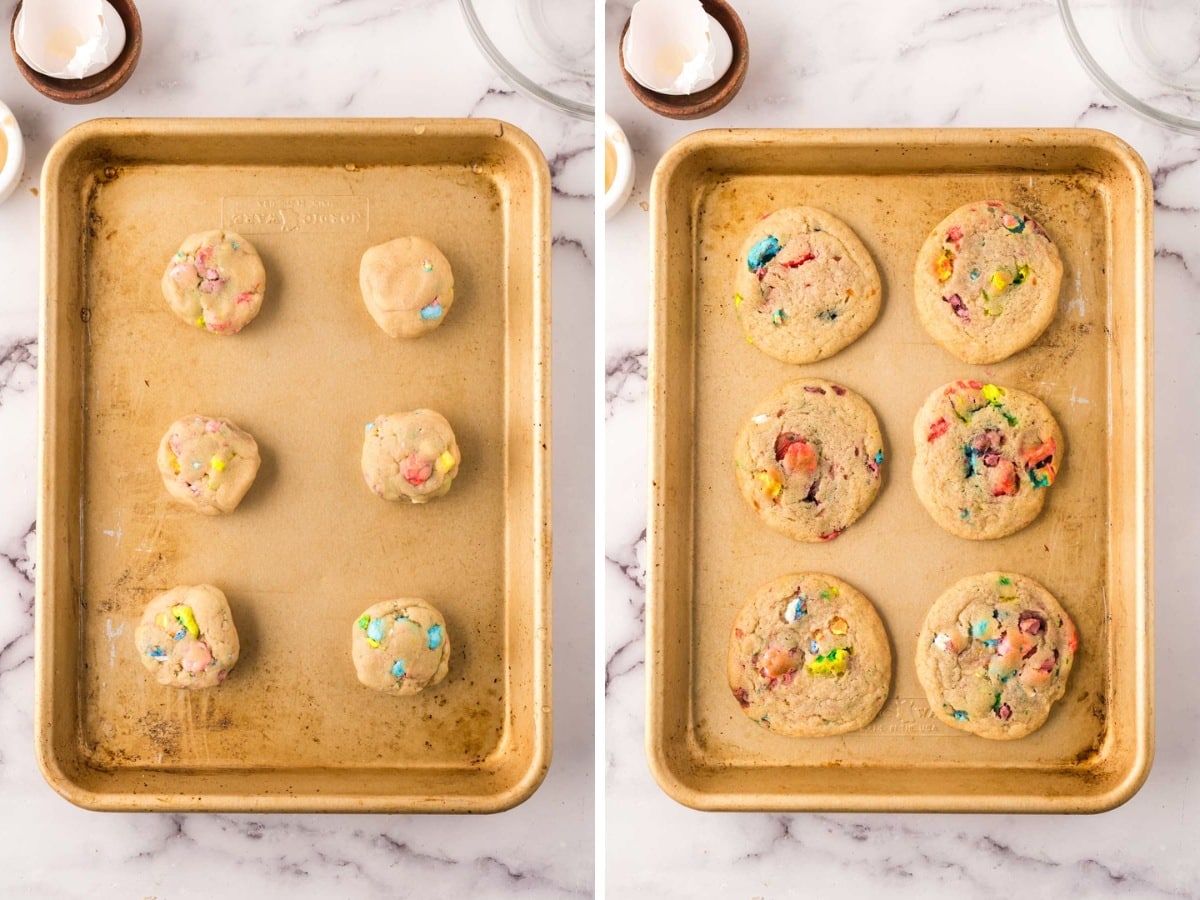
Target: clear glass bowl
point(543, 48)
point(1143, 53)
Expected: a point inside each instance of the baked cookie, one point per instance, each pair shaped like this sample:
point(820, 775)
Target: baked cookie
point(407, 285)
point(994, 654)
point(985, 456)
point(987, 281)
point(207, 464)
point(410, 455)
point(215, 282)
point(186, 637)
point(806, 286)
point(808, 656)
point(809, 458)
point(400, 646)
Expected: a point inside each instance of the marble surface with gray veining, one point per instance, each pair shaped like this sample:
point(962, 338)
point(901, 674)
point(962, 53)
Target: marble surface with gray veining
point(924, 63)
point(301, 58)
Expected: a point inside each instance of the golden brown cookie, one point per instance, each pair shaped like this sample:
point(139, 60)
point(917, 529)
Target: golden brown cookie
point(809, 656)
point(995, 654)
point(986, 281)
point(809, 459)
point(985, 458)
point(806, 286)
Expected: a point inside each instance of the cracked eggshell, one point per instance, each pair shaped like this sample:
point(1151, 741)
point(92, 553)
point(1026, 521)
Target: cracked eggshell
point(674, 47)
point(69, 39)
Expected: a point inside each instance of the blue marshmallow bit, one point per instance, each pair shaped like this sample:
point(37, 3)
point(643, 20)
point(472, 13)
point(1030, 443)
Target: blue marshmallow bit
point(157, 653)
point(763, 252)
point(435, 636)
point(375, 630)
point(398, 669)
point(432, 311)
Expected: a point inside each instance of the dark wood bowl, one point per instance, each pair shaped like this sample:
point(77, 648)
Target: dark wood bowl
point(708, 101)
point(94, 87)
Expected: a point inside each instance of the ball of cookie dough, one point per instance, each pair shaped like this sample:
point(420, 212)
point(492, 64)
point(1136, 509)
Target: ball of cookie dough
point(808, 656)
point(410, 456)
point(986, 282)
point(207, 464)
point(400, 646)
point(186, 637)
point(809, 459)
point(407, 285)
point(994, 655)
point(806, 286)
point(215, 282)
point(985, 458)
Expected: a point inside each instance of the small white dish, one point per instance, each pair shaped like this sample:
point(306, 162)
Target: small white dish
point(618, 167)
point(12, 160)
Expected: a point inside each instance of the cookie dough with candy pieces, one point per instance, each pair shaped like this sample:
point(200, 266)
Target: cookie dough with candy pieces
point(186, 637)
point(207, 464)
point(215, 281)
point(407, 286)
point(410, 456)
point(400, 646)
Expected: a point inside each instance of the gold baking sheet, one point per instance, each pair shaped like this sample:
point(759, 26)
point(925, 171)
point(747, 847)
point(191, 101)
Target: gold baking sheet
point(1091, 545)
point(310, 547)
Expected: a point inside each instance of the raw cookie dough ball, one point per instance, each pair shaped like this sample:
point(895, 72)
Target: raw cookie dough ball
point(995, 654)
point(987, 281)
point(186, 637)
point(808, 656)
point(407, 285)
point(207, 464)
point(410, 455)
point(806, 285)
point(400, 646)
point(809, 458)
point(985, 458)
point(215, 281)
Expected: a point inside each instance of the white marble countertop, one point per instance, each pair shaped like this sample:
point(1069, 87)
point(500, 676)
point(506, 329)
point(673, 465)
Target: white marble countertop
point(302, 58)
point(925, 63)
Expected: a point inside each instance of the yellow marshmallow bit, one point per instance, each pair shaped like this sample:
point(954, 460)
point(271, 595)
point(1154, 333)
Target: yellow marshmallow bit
point(737, 301)
point(217, 464)
point(174, 463)
point(200, 321)
point(183, 615)
point(992, 393)
point(770, 484)
point(445, 462)
point(1001, 279)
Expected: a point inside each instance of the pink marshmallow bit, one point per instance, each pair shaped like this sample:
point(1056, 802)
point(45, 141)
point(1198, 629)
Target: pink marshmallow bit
point(197, 657)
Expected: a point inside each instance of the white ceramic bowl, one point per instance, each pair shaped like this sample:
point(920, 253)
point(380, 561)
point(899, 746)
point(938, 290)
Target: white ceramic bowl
point(13, 166)
point(622, 183)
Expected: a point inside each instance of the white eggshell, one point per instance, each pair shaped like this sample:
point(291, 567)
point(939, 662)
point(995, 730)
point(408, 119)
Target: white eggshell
point(674, 47)
point(69, 39)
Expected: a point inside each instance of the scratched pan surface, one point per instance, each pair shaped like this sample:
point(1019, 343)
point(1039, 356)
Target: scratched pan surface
point(310, 547)
point(1090, 546)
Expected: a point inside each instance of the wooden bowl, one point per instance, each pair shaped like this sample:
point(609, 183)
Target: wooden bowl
point(708, 101)
point(94, 87)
